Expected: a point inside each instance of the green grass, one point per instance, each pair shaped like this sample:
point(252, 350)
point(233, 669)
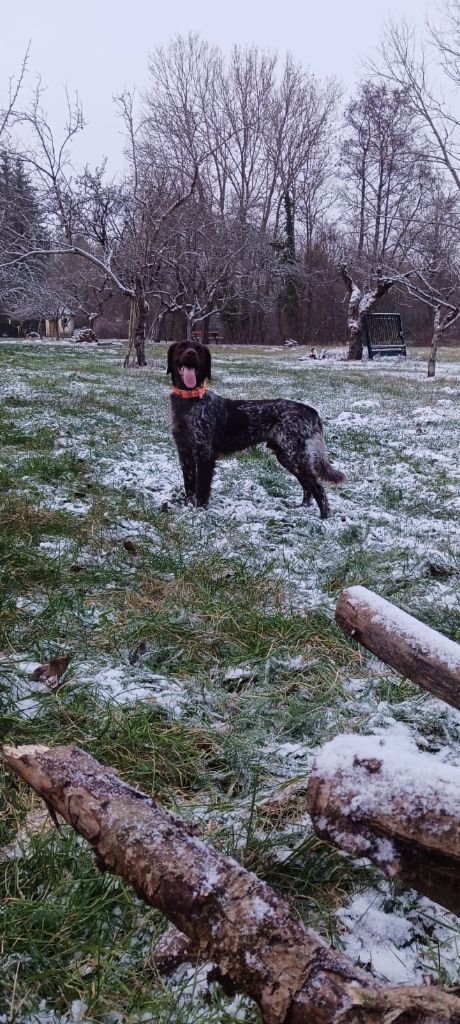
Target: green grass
point(12, 436)
point(47, 470)
point(235, 606)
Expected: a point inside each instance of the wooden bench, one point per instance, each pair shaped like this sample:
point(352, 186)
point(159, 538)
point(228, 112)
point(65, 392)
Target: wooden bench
point(384, 334)
point(213, 336)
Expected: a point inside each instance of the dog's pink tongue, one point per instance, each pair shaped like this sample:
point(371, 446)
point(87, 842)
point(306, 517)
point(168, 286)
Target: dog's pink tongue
point(188, 376)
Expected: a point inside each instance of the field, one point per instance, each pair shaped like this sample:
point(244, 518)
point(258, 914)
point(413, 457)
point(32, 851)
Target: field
point(205, 664)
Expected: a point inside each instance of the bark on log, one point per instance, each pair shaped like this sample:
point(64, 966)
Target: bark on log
point(172, 949)
point(236, 920)
point(415, 650)
point(379, 798)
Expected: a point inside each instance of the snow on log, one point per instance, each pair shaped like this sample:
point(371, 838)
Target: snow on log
point(401, 641)
point(381, 798)
point(237, 921)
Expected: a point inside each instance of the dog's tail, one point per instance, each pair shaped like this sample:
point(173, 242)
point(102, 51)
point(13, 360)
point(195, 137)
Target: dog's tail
point(322, 468)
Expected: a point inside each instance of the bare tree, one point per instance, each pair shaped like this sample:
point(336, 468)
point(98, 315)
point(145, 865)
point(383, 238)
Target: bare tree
point(49, 159)
point(403, 61)
point(43, 293)
point(174, 129)
point(260, 132)
point(426, 69)
point(228, 202)
point(9, 111)
point(205, 260)
point(445, 313)
point(435, 280)
point(88, 221)
point(384, 178)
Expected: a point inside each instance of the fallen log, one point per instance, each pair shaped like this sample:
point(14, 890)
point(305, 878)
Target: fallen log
point(237, 921)
point(381, 798)
point(412, 648)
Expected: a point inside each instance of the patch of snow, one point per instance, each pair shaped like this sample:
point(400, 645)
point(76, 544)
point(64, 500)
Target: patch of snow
point(56, 547)
point(352, 419)
point(128, 685)
point(26, 604)
point(58, 498)
point(380, 940)
point(366, 403)
point(153, 472)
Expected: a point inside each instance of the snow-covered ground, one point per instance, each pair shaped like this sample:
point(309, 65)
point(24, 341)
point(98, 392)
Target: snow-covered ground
point(395, 529)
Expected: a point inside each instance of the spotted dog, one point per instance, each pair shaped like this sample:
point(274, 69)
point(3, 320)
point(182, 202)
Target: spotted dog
point(206, 426)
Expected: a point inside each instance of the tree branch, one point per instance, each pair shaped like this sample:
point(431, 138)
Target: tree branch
point(238, 922)
point(76, 251)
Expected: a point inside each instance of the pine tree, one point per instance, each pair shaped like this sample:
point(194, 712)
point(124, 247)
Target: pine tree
point(21, 218)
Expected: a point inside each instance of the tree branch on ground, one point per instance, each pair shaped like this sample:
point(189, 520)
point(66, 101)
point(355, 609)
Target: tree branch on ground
point(371, 797)
point(237, 921)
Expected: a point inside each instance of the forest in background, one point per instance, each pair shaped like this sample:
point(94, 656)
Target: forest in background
point(255, 200)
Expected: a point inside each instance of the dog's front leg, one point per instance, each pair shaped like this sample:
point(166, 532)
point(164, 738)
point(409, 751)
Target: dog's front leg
point(188, 466)
point(204, 475)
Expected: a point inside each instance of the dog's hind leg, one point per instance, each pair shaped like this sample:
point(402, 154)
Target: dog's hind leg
point(292, 466)
point(314, 489)
point(298, 466)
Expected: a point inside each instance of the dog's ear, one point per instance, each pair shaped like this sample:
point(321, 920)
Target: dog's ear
point(207, 362)
point(171, 351)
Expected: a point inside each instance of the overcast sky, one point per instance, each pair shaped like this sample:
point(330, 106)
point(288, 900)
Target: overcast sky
point(98, 47)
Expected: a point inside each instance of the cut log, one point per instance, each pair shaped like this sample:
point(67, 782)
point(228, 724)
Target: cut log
point(415, 650)
point(381, 798)
point(237, 921)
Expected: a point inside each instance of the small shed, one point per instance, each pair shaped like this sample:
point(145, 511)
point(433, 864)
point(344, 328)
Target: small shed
point(384, 334)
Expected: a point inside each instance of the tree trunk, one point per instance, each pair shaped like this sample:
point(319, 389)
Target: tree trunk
point(355, 339)
point(359, 304)
point(138, 310)
point(205, 335)
point(376, 798)
point(408, 645)
point(436, 337)
point(54, 328)
point(239, 923)
point(354, 317)
point(288, 298)
point(159, 327)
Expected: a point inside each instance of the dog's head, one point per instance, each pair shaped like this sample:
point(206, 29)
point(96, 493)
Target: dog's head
point(189, 364)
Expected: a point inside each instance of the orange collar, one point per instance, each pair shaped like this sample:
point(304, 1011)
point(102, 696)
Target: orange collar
point(193, 393)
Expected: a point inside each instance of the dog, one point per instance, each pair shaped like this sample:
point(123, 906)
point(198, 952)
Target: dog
point(206, 427)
